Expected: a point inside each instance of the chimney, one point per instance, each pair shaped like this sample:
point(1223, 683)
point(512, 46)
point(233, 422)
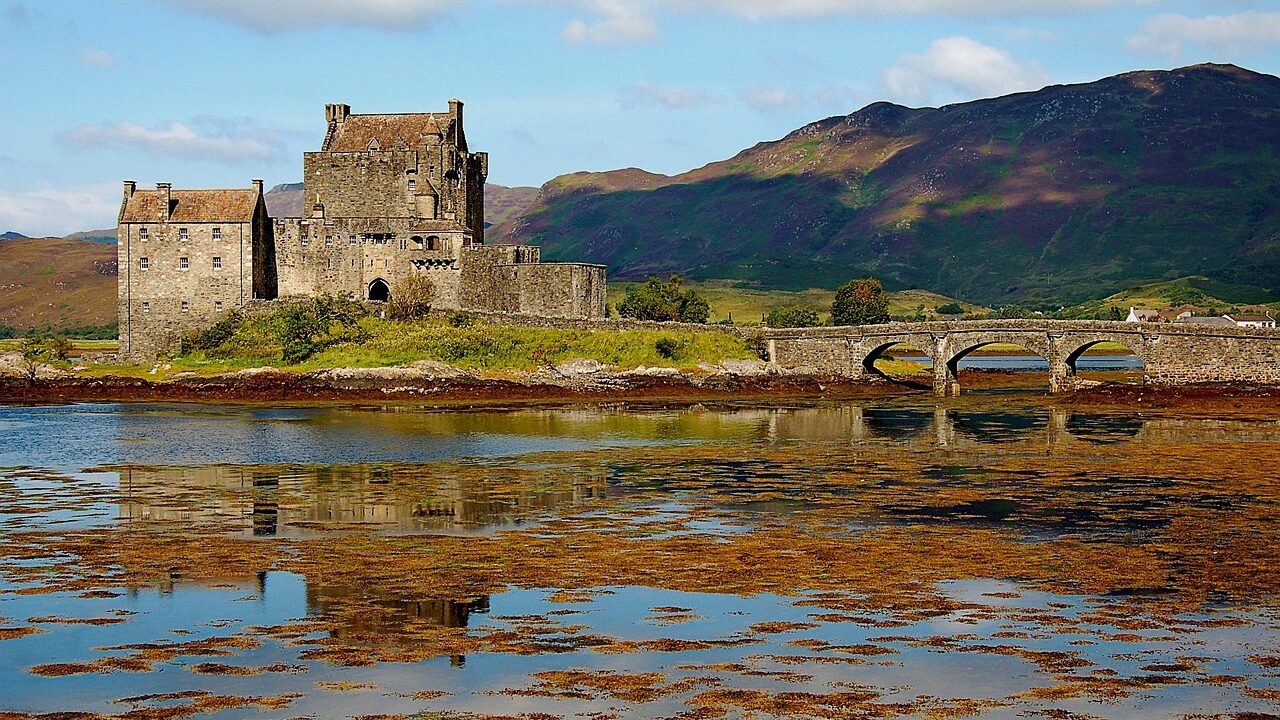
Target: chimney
point(257, 186)
point(166, 200)
point(129, 187)
point(336, 112)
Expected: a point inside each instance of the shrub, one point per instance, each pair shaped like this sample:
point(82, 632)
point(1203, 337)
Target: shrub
point(758, 345)
point(412, 299)
point(665, 302)
point(792, 316)
point(668, 347)
point(1011, 312)
point(7, 331)
point(950, 309)
point(460, 319)
point(211, 337)
point(860, 302)
point(59, 348)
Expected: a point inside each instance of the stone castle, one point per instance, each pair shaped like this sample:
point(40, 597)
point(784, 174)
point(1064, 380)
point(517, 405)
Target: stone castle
point(387, 197)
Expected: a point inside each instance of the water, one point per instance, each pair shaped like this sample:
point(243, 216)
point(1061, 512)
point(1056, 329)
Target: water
point(995, 556)
point(1035, 363)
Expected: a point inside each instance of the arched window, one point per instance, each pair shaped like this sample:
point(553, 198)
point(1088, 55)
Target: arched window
point(433, 243)
point(417, 242)
point(379, 290)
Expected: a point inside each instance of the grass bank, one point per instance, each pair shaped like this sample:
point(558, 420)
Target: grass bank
point(360, 340)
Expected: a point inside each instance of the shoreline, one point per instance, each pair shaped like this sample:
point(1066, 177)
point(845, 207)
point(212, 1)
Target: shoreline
point(659, 385)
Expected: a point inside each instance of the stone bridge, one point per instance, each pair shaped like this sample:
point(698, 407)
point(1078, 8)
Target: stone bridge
point(1171, 353)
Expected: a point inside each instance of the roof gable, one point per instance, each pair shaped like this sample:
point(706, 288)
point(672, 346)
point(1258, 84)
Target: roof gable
point(192, 206)
point(390, 132)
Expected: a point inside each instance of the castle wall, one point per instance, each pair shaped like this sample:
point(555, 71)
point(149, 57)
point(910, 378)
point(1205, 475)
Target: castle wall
point(362, 185)
point(150, 302)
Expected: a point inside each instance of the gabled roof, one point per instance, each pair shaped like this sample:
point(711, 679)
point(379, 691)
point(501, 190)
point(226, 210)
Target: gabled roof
point(1248, 317)
point(192, 206)
point(390, 131)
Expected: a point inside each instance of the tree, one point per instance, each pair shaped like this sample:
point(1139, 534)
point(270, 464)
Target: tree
point(860, 302)
point(950, 309)
point(792, 316)
point(34, 353)
point(666, 301)
point(412, 298)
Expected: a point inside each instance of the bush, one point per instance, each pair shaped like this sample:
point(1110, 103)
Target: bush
point(665, 302)
point(860, 302)
point(211, 337)
point(758, 345)
point(792, 316)
point(461, 319)
point(668, 347)
point(7, 331)
point(412, 298)
point(950, 309)
point(1011, 312)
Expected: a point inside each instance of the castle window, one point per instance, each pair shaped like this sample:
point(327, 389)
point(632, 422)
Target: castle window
point(404, 244)
point(186, 306)
point(217, 233)
point(217, 263)
point(144, 264)
point(433, 243)
point(328, 241)
point(351, 240)
point(146, 306)
point(142, 234)
point(303, 240)
point(184, 263)
point(413, 185)
point(217, 306)
point(182, 234)
point(417, 242)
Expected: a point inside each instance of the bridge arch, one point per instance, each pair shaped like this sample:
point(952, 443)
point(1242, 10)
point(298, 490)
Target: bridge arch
point(881, 352)
point(962, 345)
point(1134, 347)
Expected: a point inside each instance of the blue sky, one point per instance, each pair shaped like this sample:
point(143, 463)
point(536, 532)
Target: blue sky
point(213, 93)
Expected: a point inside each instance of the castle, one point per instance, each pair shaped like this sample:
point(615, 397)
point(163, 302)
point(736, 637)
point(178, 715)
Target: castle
point(386, 197)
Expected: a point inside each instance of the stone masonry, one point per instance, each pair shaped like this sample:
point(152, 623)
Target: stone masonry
point(387, 197)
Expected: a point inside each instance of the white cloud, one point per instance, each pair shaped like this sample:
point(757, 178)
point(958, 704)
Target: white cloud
point(214, 139)
point(53, 211)
point(282, 15)
point(626, 22)
point(642, 94)
point(964, 67)
point(769, 98)
point(618, 23)
point(97, 58)
point(1170, 35)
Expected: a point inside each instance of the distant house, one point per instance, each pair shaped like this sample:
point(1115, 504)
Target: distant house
point(1251, 320)
point(1212, 321)
point(1142, 315)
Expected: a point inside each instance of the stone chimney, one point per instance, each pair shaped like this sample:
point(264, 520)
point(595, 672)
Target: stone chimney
point(166, 201)
point(257, 186)
point(129, 187)
point(337, 112)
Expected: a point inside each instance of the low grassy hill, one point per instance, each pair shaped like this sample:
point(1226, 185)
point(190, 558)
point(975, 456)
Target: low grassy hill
point(1198, 291)
point(57, 284)
point(748, 304)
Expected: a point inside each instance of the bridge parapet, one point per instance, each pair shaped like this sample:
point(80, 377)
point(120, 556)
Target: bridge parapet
point(1171, 353)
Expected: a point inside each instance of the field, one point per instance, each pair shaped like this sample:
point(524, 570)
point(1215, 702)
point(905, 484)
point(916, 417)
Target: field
point(57, 284)
point(747, 305)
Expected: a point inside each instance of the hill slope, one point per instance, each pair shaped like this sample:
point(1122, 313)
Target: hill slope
point(57, 283)
point(1046, 197)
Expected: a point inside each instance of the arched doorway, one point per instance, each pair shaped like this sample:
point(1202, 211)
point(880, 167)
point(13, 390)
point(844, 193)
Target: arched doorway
point(379, 290)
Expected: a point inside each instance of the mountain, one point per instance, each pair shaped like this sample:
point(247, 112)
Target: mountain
point(106, 236)
point(11, 235)
point(284, 200)
point(1048, 197)
point(57, 283)
point(502, 203)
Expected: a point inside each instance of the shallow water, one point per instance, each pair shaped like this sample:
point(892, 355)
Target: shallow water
point(995, 556)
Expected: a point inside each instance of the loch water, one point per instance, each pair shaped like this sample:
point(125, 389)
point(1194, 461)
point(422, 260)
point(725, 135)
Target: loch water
point(996, 555)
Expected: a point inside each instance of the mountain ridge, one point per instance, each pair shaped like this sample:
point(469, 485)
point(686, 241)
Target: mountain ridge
point(1045, 197)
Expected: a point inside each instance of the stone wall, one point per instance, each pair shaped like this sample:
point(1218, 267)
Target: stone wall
point(364, 185)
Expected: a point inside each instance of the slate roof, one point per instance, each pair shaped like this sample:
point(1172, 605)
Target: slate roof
point(391, 131)
point(194, 206)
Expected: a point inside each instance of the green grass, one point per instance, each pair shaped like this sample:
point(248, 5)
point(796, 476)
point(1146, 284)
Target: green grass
point(479, 347)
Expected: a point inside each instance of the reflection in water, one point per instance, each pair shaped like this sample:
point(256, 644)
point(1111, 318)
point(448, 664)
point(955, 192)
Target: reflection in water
point(983, 557)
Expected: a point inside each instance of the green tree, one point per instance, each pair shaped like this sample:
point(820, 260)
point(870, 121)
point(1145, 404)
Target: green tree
point(792, 316)
point(666, 301)
point(860, 302)
point(950, 309)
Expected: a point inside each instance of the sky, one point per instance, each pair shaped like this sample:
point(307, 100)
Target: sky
point(215, 93)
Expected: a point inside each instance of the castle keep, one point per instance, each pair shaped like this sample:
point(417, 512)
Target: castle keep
point(386, 197)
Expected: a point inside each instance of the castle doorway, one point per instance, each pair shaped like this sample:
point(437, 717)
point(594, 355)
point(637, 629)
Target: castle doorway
point(379, 290)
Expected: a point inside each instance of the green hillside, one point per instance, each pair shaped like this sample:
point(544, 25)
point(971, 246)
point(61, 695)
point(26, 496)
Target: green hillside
point(1040, 199)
